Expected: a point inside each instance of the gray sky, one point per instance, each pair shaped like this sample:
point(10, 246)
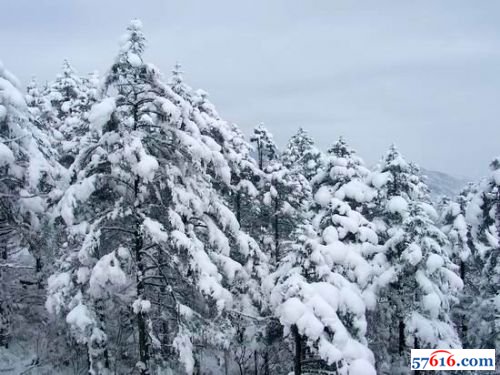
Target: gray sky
point(422, 74)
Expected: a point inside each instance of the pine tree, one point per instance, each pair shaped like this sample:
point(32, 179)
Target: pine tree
point(417, 280)
point(285, 201)
point(266, 149)
point(63, 109)
point(151, 239)
point(454, 224)
point(246, 178)
point(301, 154)
point(322, 284)
point(246, 184)
point(27, 176)
point(320, 307)
point(483, 214)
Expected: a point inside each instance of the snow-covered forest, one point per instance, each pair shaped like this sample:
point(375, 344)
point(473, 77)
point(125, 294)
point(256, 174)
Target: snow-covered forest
point(141, 233)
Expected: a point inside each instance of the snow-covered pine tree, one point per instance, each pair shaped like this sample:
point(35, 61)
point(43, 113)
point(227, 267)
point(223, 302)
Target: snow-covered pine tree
point(34, 97)
point(286, 199)
point(65, 103)
point(483, 215)
point(27, 177)
point(246, 184)
point(266, 149)
point(320, 294)
point(246, 178)
point(322, 310)
point(417, 280)
point(152, 242)
point(454, 224)
point(285, 195)
point(301, 154)
point(267, 156)
point(92, 83)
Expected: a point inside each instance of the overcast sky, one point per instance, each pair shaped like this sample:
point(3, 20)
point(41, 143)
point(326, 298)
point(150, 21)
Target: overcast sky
point(422, 74)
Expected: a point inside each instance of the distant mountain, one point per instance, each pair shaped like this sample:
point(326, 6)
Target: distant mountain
point(441, 184)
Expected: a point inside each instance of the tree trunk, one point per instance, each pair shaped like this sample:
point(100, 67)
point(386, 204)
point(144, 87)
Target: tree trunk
point(261, 156)
point(38, 270)
point(276, 231)
point(238, 207)
point(100, 315)
point(255, 363)
point(266, 363)
point(226, 362)
point(4, 313)
point(401, 337)
point(141, 319)
point(297, 361)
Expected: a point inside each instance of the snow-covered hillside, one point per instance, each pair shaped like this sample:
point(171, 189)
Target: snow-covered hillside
point(443, 184)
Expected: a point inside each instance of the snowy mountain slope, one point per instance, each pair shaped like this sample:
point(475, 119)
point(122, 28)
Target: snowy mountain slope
point(441, 183)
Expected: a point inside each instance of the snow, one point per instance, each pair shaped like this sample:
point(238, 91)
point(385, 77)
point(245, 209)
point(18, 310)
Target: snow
point(330, 235)
point(134, 59)
point(79, 318)
point(147, 166)
point(355, 190)
point(380, 179)
point(107, 277)
point(58, 286)
point(82, 275)
point(361, 367)
point(184, 347)
point(434, 262)
point(309, 325)
point(429, 210)
point(76, 193)
point(422, 327)
point(496, 176)
point(432, 303)
point(140, 306)
point(171, 109)
point(323, 196)
point(413, 254)
point(155, 229)
point(292, 310)
point(6, 155)
point(101, 113)
point(398, 205)
point(9, 93)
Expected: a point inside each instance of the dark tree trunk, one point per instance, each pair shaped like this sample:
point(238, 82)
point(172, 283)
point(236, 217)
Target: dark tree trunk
point(266, 363)
point(297, 361)
point(226, 362)
point(255, 363)
point(4, 309)
point(141, 319)
point(38, 270)
point(261, 156)
point(401, 337)
point(276, 231)
point(238, 207)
